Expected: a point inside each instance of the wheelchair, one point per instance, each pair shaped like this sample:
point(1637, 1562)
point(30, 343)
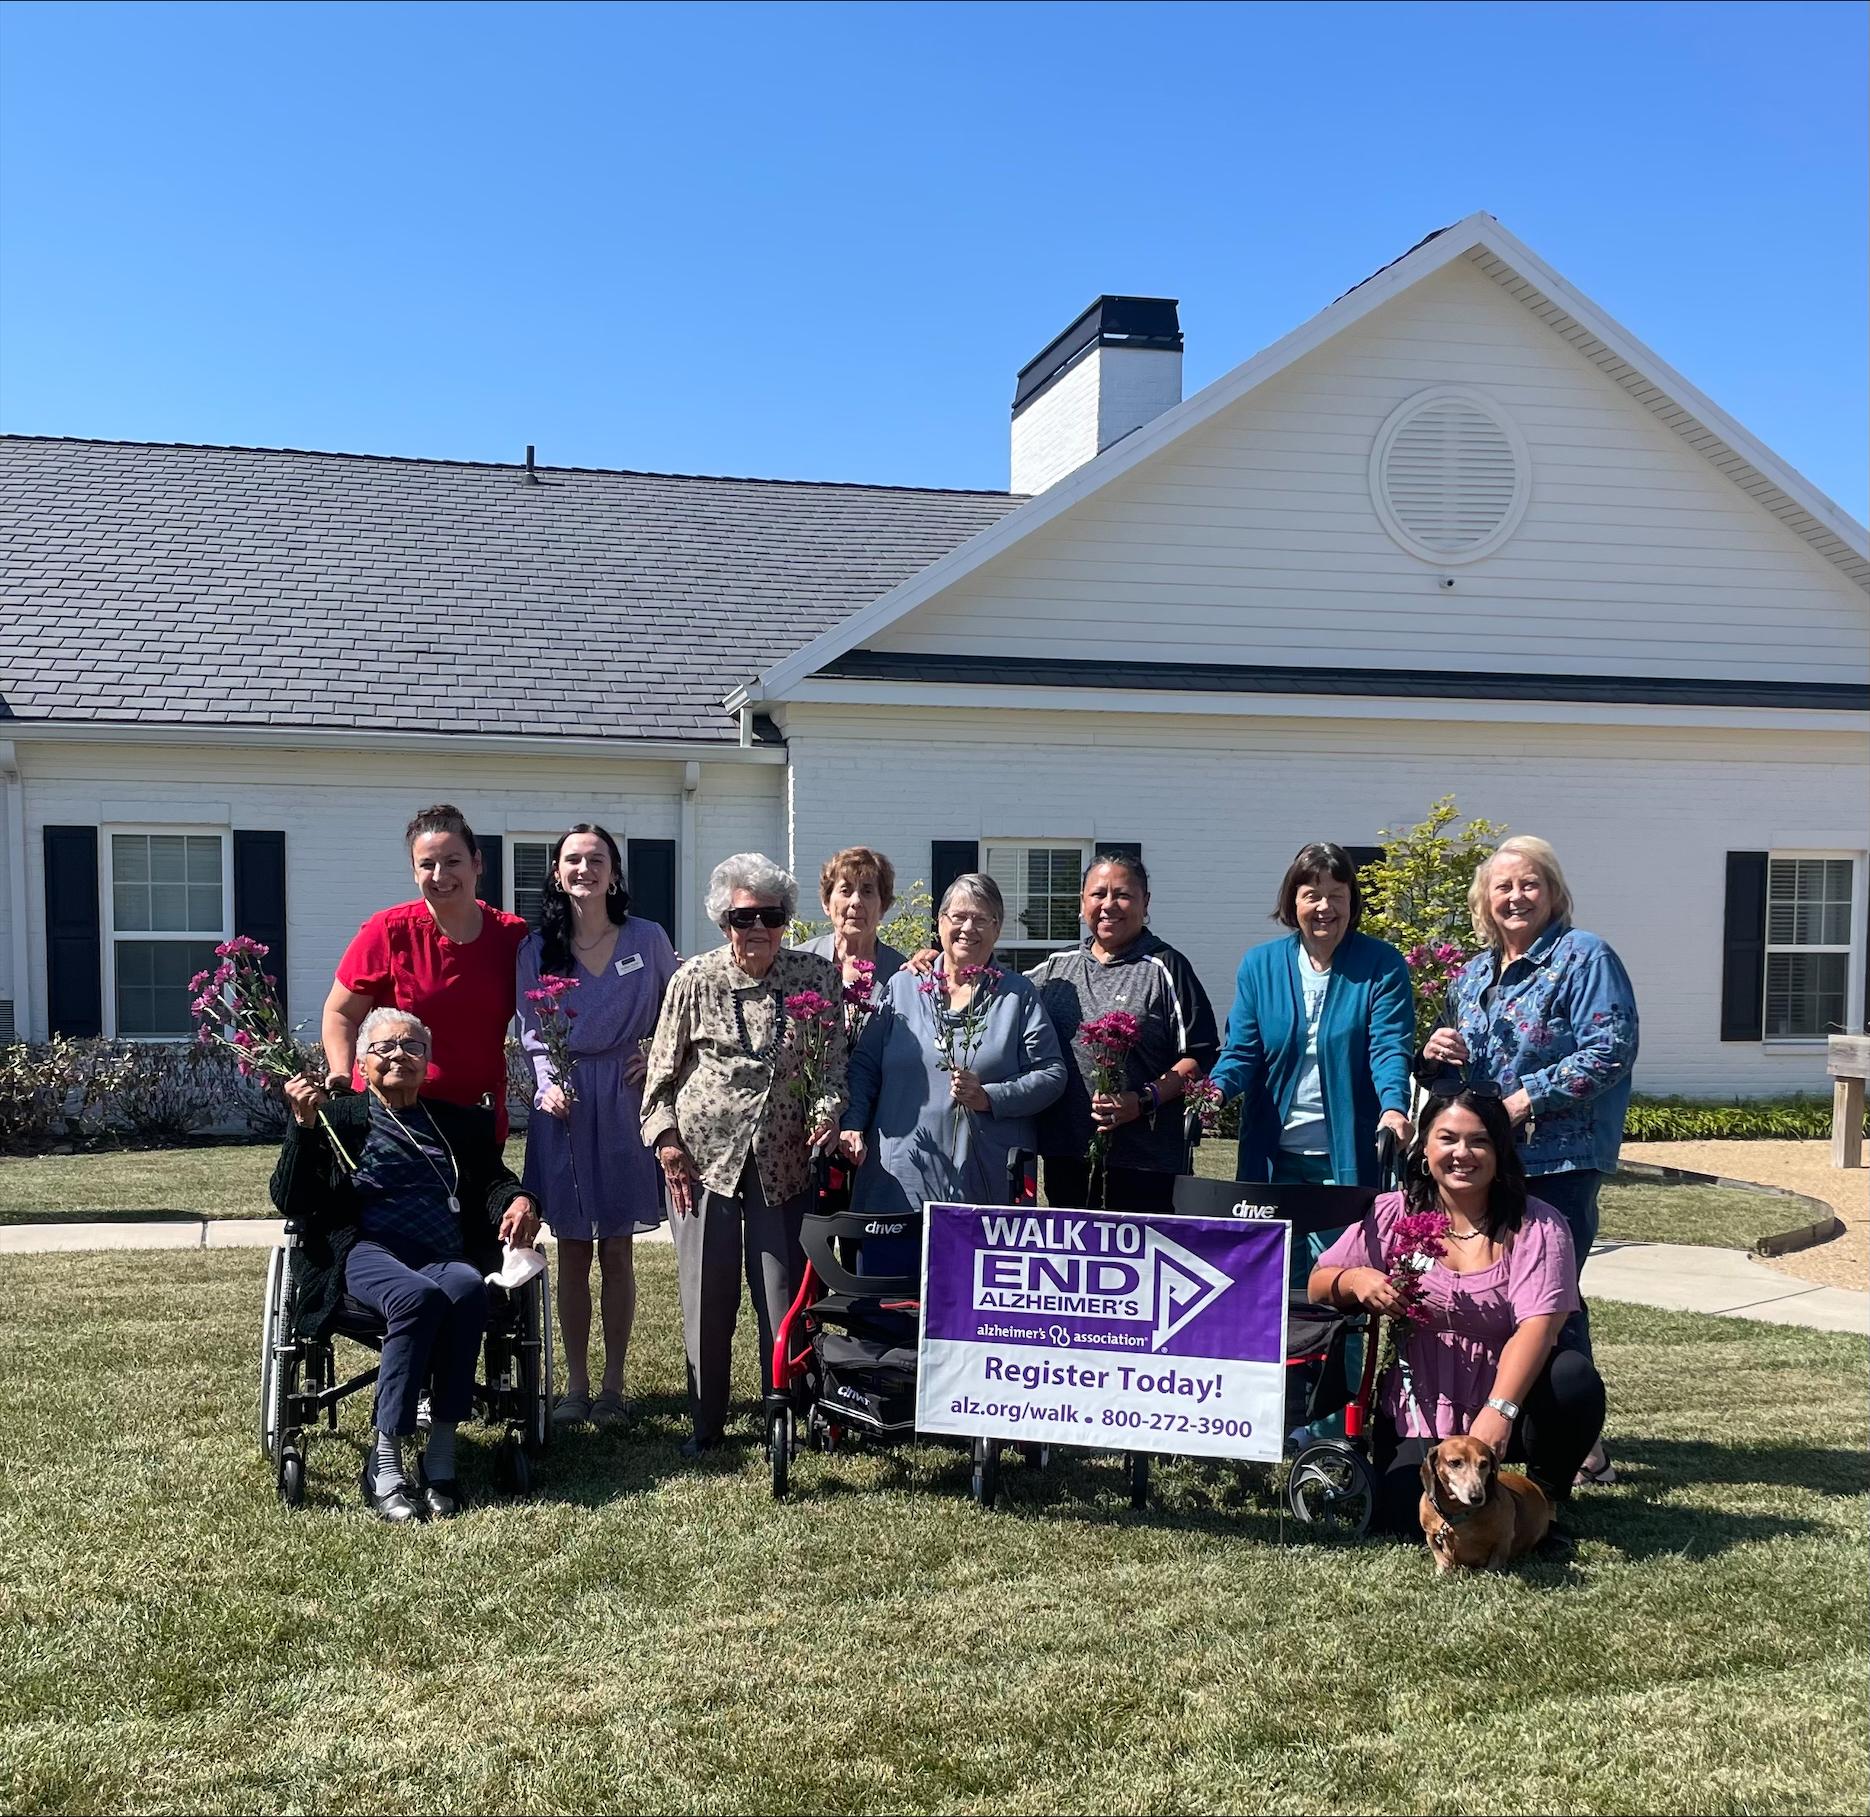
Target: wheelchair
point(299, 1382)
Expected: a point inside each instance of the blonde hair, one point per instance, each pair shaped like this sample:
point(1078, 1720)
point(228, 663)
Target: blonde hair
point(1536, 852)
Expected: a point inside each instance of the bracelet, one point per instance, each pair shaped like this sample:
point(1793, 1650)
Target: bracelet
point(1155, 1101)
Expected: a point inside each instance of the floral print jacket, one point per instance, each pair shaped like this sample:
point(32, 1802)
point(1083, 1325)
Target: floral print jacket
point(1562, 1025)
point(720, 1080)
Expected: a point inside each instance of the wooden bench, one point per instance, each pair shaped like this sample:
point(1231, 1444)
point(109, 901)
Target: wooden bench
point(1847, 1059)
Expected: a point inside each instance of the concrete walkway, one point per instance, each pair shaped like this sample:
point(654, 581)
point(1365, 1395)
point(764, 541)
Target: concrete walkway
point(1678, 1276)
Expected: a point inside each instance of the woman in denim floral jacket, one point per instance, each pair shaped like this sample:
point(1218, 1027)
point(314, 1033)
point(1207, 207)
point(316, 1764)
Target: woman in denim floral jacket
point(1545, 1015)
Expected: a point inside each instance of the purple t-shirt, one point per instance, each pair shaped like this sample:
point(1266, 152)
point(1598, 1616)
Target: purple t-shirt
point(1452, 1359)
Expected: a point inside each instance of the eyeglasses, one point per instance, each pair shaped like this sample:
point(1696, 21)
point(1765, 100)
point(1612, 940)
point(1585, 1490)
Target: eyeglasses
point(954, 920)
point(744, 918)
point(395, 1045)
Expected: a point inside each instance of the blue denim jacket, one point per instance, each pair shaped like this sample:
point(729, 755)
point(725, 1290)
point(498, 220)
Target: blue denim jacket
point(1563, 1027)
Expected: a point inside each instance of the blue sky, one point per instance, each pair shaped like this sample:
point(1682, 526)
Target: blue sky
point(817, 242)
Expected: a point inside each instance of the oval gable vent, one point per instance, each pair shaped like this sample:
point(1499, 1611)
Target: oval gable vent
point(1449, 476)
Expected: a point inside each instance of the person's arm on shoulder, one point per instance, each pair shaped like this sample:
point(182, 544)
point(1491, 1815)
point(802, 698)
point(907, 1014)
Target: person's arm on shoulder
point(1041, 1079)
point(1242, 1063)
point(1602, 1005)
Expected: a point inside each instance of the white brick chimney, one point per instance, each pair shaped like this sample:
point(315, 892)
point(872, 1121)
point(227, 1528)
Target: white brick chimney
point(1117, 367)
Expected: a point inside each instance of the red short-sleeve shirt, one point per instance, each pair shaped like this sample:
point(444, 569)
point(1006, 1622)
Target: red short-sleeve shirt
point(400, 959)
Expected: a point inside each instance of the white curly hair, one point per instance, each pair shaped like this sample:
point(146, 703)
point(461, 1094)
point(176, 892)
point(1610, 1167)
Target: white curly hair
point(381, 1018)
point(752, 871)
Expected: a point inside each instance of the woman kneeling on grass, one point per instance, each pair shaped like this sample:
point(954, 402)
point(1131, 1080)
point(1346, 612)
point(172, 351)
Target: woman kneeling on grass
point(410, 1233)
point(1481, 1360)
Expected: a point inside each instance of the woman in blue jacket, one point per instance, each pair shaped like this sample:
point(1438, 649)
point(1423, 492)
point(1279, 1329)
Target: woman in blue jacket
point(1319, 1041)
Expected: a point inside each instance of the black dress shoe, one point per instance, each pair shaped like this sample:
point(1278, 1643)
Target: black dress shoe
point(441, 1495)
point(394, 1505)
point(699, 1446)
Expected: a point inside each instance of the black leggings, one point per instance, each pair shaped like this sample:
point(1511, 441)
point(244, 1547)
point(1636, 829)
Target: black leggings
point(1557, 1426)
point(1071, 1181)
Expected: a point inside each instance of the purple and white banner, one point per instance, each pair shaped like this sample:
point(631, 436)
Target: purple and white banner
point(1104, 1329)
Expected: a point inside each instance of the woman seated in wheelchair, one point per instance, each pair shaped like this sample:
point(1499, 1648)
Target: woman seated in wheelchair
point(410, 1234)
point(1484, 1359)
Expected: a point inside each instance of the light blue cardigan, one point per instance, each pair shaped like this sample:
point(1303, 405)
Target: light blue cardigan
point(1366, 1036)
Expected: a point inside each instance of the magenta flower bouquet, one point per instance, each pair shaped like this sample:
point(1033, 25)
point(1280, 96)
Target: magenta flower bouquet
point(1107, 1041)
point(236, 1007)
point(1203, 1097)
point(814, 1019)
point(555, 1017)
point(859, 998)
point(1416, 1242)
point(1432, 969)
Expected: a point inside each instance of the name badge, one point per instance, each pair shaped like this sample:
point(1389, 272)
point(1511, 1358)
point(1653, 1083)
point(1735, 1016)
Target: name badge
point(632, 964)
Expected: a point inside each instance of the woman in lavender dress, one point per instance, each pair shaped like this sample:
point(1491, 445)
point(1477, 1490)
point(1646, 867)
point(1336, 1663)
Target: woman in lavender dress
point(585, 1162)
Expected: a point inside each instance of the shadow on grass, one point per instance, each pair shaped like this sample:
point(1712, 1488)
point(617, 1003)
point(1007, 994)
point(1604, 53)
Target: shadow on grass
point(1682, 1463)
point(101, 1215)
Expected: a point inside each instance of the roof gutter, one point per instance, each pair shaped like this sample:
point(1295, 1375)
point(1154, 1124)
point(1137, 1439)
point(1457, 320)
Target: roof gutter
point(370, 738)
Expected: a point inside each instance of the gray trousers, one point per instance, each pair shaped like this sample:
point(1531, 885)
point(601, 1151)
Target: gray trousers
point(716, 1243)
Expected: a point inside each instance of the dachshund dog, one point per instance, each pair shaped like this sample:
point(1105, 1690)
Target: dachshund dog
point(1475, 1518)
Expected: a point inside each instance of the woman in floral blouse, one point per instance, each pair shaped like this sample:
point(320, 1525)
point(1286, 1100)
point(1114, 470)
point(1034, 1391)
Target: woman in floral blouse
point(1546, 1015)
point(724, 1109)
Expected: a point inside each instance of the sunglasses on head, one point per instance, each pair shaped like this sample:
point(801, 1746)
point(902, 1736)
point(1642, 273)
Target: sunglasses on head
point(744, 918)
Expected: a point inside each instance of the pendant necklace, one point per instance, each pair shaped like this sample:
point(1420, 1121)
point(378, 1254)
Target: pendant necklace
point(454, 1196)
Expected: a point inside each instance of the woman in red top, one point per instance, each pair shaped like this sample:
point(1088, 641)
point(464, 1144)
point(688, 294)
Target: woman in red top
point(447, 959)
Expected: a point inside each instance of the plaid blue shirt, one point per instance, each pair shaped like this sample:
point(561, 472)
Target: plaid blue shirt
point(403, 1189)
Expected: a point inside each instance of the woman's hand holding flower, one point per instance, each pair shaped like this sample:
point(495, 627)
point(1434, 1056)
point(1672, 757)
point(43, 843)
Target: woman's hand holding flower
point(553, 1102)
point(965, 1088)
point(1111, 1110)
point(1369, 1288)
point(307, 1098)
point(853, 1148)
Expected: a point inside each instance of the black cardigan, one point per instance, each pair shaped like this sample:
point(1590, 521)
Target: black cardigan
point(312, 1189)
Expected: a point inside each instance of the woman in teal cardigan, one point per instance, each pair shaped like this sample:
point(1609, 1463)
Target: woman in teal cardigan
point(1319, 1040)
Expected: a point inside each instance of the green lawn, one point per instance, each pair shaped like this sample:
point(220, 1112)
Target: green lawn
point(230, 1182)
point(124, 1184)
point(651, 1636)
point(1718, 1217)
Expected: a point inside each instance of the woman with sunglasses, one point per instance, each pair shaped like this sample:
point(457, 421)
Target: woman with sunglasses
point(585, 1161)
point(725, 1111)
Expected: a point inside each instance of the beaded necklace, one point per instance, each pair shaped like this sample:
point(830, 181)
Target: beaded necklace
point(773, 1040)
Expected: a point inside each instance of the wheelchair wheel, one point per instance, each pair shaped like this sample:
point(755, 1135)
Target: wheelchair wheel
point(290, 1479)
point(984, 1481)
point(779, 1448)
point(535, 1366)
point(1332, 1491)
point(279, 1356)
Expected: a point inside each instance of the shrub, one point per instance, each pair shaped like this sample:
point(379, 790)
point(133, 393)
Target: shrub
point(37, 1084)
point(1415, 897)
point(1800, 1117)
point(154, 1092)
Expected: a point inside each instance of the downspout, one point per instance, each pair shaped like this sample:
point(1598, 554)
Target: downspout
point(687, 915)
point(16, 889)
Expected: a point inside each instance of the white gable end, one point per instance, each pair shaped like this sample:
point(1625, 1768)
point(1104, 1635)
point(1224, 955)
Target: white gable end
point(1255, 537)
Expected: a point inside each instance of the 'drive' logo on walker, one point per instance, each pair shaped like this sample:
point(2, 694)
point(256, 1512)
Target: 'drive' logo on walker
point(1093, 1270)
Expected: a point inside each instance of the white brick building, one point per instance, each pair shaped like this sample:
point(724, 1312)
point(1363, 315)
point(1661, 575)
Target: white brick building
point(1459, 533)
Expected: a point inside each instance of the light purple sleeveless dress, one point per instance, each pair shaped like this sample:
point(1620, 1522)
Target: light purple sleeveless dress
point(590, 1174)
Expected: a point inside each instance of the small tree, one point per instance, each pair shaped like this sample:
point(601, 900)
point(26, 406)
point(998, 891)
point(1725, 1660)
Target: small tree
point(1415, 897)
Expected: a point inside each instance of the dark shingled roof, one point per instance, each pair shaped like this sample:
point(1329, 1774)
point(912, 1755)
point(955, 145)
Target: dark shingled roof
point(231, 586)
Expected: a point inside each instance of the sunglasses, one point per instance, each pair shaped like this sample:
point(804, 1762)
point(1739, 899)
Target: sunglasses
point(744, 918)
point(383, 1049)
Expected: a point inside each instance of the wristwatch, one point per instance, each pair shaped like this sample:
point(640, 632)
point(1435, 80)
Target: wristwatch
point(1500, 1404)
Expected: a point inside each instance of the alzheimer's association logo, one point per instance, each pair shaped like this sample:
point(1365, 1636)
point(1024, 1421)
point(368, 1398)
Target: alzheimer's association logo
point(1098, 1271)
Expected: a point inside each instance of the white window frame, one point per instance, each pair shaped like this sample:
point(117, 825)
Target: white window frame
point(107, 866)
point(1010, 942)
point(510, 886)
point(1854, 954)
